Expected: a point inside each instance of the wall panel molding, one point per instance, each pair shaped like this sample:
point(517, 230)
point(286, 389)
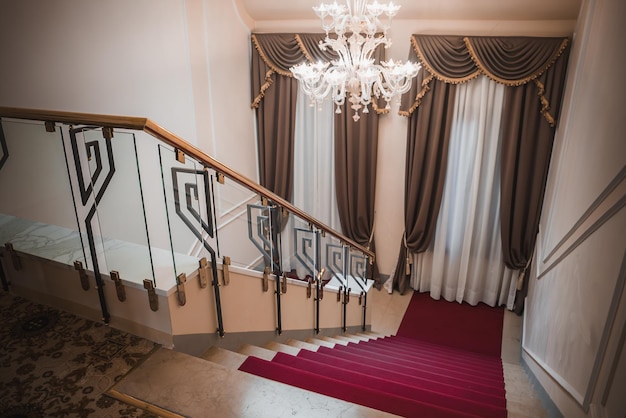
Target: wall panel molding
point(602, 197)
point(607, 215)
point(611, 324)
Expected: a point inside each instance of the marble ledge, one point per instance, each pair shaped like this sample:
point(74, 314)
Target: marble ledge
point(64, 246)
point(134, 262)
point(191, 386)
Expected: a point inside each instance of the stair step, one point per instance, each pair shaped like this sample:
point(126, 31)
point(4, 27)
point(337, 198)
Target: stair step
point(444, 377)
point(436, 365)
point(467, 391)
point(403, 387)
point(320, 342)
point(358, 337)
point(253, 350)
point(334, 340)
point(224, 357)
point(282, 348)
point(347, 338)
point(302, 344)
point(346, 391)
point(373, 334)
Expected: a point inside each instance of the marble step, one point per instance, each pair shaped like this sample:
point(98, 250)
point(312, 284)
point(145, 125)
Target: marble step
point(347, 339)
point(282, 348)
point(226, 358)
point(169, 382)
point(334, 340)
point(374, 334)
point(370, 336)
point(357, 337)
point(522, 400)
point(253, 350)
point(320, 342)
point(302, 344)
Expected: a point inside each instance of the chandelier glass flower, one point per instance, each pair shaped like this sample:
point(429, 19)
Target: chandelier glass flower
point(359, 28)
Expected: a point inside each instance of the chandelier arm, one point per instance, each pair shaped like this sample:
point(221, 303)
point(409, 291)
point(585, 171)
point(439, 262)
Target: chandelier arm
point(355, 72)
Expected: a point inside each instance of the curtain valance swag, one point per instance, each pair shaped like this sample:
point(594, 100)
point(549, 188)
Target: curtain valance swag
point(277, 52)
point(512, 61)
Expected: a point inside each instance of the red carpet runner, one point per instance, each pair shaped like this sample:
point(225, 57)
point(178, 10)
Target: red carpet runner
point(405, 375)
point(474, 328)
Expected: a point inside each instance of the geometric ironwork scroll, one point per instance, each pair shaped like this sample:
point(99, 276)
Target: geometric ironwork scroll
point(335, 261)
point(305, 243)
point(262, 236)
point(357, 268)
point(93, 189)
point(188, 213)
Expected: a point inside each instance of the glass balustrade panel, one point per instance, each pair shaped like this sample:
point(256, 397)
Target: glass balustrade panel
point(112, 187)
point(300, 252)
point(333, 258)
point(187, 188)
point(358, 265)
point(37, 211)
point(245, 223)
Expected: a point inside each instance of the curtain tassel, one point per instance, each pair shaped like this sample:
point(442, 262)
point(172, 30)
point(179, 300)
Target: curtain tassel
point(522, 275)
point(409, 259)
point(407, 270)
point(520, 279)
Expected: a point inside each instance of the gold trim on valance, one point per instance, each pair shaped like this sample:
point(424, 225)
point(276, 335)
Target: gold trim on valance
point(438, 74)
point(540, 68)
point(512, 61)
point(420, 95)
point(267, 61)
point(303, 48)
point(264, 87)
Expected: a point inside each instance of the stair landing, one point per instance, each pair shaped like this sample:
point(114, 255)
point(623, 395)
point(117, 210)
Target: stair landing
point(172, 384)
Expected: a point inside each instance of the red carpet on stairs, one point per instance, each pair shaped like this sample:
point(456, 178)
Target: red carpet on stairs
point(406, 375)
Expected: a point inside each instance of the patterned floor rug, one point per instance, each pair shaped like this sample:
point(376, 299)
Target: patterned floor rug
point(55, 364)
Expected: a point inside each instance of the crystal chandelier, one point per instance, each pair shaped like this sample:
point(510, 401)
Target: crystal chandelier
point(357, 26)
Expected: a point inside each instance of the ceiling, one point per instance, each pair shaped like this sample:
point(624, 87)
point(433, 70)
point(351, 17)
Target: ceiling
point(282, 10)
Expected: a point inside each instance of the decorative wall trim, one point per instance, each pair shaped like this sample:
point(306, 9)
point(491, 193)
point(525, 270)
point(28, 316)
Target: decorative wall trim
point(241, 204)
point(613, 184)
point(578, 397)
point(622, 340)
point(584, 399)
point(606, 333)
point(576, 63)
point(593, 228)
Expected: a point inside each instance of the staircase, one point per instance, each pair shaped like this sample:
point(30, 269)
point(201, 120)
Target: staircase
point(392, 374)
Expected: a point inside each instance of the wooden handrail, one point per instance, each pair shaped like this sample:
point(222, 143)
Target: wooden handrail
point(162, 134)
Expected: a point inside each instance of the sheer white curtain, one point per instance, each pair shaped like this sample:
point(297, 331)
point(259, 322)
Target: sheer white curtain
point(464, 262)
point(313, 176)
point(314, 161)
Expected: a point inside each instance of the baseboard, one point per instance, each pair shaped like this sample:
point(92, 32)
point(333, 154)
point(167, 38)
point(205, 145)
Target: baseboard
point(87, 312)
point(548, 404)
point(197, 344)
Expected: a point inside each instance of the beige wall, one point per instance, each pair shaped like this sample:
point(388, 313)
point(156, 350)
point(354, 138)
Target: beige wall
point(185, 64)
point(576, 307)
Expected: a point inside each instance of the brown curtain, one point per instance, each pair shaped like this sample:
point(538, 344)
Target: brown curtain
point(429, 105)
point(274, 92)
point(534, 71)
point(356, 151)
